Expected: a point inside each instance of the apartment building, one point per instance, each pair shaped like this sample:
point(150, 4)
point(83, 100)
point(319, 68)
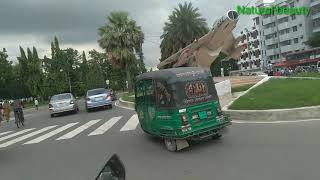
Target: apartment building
point(315, 12)
point(250, 59)
point(283, 34)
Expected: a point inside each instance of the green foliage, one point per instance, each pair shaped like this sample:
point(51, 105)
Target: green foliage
point(184, 26)
point(314, 40)
point(228, 65)
point(122, 39)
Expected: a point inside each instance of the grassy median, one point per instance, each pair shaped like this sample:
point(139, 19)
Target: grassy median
point(128, 97)
point(279, 94)
point(308, 74)
point(241, 88)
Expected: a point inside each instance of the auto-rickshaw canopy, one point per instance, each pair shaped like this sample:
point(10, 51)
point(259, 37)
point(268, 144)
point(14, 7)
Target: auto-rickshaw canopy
point(181, 86)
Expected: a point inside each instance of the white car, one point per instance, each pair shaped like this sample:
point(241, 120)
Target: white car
point(63, 103)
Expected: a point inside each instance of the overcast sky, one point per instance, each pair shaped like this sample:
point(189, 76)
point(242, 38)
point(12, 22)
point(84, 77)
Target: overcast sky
point(75, 22)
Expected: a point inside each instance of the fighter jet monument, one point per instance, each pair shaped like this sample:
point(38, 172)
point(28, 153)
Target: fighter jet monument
point(204, 51)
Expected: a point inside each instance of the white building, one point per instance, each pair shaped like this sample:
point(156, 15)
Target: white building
point(315, 12)
point(251, 58)
point(283, 34)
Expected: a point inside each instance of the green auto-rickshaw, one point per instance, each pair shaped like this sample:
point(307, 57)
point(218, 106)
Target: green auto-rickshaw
point(179, 104)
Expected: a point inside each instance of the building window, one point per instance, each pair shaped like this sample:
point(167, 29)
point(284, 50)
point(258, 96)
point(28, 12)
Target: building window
point(273, 24)
point(283, 20)
point(300, 25)
point(284, 31)
point(285, 43)
point(296, 40)
point(272, 46)
point(301, 37)
point(270, 36)
point(293, 17)
point(295, 28)
point(316, 23)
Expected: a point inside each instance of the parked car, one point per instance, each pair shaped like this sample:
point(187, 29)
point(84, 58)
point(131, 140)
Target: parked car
point(63, 103)
point(98, 98)
point(113, 94)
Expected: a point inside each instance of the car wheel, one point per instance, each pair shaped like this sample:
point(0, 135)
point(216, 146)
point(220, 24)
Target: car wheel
point(87, 109)
point(51, 115)
point(110, 106)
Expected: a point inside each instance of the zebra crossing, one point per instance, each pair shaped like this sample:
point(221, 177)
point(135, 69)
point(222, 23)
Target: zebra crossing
point(65, 132)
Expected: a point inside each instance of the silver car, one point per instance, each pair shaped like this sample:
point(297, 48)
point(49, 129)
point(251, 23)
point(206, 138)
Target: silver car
point(63, 103)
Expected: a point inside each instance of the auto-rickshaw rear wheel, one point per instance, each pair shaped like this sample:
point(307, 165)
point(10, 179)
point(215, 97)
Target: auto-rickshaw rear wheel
point(217, 136)
point(170, 144)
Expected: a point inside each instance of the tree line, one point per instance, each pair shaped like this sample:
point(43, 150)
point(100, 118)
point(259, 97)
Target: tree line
point(66, 69)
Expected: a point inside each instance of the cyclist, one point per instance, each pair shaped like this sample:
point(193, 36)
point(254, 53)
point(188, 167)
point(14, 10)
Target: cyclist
point(18, 112)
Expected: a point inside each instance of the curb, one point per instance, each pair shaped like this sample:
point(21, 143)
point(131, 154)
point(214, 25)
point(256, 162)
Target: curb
point(311, 112)
point(125, 104)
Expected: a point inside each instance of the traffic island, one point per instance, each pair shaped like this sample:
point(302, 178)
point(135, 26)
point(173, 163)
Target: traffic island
point(278, 99)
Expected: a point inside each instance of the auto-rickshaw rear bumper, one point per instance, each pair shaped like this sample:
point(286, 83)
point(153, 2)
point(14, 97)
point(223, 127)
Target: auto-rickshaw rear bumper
point(202, 133)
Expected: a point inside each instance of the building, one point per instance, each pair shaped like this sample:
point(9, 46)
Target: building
point(315, 12)
point(250, 59)
point(284, 34)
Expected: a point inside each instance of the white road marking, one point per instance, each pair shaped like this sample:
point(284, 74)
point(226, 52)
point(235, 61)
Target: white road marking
point(78, 130)
point(4, 133)
point(16, 134)
point(273, 122)
point(131, 124)
point(8, 143)
point(106, 126)
point(50, 134)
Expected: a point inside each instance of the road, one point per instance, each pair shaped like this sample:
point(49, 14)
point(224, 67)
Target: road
point(76, 146)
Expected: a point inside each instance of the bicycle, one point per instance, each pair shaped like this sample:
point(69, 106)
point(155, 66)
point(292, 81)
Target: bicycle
point(19, 119)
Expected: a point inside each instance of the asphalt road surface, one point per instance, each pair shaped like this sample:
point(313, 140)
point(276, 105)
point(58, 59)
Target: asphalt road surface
point(76, 146)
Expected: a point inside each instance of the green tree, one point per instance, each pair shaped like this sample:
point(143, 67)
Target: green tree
point(122, 39)
point(227, 65)
point(6, 75)
point(184, 26)
point(314, 40)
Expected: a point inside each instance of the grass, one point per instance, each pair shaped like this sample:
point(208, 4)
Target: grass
point(280, 94)
point(241, 88)
point(308, 74)
point(128, 97)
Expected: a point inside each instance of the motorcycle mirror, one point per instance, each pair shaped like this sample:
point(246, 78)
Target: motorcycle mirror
point(112, 170)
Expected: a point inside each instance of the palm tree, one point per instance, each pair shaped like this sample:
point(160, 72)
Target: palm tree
point(122, 39)
point(184, 26)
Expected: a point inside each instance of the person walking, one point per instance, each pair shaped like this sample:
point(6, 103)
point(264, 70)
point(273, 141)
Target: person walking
point(36, 103)
point(7, 110)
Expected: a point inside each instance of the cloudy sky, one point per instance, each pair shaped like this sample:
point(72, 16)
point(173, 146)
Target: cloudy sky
point(75, 22)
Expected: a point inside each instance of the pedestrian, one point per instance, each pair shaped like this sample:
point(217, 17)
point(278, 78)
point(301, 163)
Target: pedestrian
point(36, 103)
point(7, 110)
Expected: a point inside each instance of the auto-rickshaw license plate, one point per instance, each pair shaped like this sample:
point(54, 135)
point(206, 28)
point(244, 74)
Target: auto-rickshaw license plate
point(203, 115)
